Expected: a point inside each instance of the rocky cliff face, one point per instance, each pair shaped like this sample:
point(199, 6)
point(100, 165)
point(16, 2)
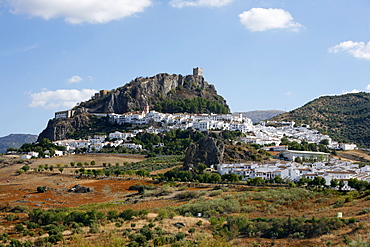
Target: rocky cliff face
point(162, 92)
point(59, 129)
point(149, 91)
point(211, 151)
point(207, 150)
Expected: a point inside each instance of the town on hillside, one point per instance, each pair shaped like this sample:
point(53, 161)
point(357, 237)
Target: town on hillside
point(290, 165)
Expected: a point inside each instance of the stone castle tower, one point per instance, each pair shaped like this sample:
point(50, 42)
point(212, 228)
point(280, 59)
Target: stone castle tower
point(198, 71)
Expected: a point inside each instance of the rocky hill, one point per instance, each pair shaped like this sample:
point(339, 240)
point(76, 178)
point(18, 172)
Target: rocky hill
point(162, 92)
point(15, 141)
point(260, 115)
point(345, 117)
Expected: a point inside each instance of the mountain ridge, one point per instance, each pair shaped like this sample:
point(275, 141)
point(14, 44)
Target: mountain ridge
point(15, 141)
point(344, 117)
point(260, 115)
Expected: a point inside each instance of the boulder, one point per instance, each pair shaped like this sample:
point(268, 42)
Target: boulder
point(79, 189)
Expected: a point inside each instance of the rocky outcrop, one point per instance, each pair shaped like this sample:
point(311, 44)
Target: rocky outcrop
point(149, 91)
point(162, 92)
point(207, 150)
point(59, 129)
point(79, 189)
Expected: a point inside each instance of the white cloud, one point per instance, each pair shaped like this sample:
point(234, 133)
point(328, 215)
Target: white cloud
point(288, 93)
point(78, 11)
point(75, 79)
point(199, 3)
point(259, 19)
point(367, 87)
point(353, 91)
point(356, 49)
point(60, 99)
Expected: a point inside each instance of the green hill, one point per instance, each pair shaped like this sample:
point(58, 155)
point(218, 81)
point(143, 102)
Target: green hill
point(345, 117)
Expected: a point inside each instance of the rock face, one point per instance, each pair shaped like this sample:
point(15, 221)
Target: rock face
point(163, 92)
point(207, 150)
point(148, 91)
point(59, 129)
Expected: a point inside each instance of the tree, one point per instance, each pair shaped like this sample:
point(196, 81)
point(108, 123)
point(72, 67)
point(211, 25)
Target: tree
point(142, 173)
point(61, 169)
point(298, 160)
point(341, 185)
point(319, 182)
point(128, 214)
point(215, 178)
point(302, 181)
point(278, 179)
point(25, 168)
point(255, 181)
point(324, 142)
point(230, 177)
point(191, 230)
point(19, 227)
point(334, 183)
point(40, 168)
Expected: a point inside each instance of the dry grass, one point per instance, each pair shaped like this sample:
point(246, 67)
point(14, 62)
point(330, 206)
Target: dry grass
point(113, 194)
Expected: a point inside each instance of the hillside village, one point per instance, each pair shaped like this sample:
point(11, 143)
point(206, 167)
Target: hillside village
point(266, 134)
point(262, 134)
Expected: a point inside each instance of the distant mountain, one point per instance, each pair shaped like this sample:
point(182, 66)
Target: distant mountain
point(346, 118)
point(163, 92)
point(257, 116)
point(15, 141)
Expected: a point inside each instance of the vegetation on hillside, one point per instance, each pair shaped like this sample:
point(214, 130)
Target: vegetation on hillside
point(195, 105)
point(216, 213)
point(344, 118)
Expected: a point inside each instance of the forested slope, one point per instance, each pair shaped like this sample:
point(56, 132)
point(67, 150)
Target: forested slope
point(345, 117)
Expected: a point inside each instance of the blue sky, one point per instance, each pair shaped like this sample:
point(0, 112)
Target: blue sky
point(259, 54)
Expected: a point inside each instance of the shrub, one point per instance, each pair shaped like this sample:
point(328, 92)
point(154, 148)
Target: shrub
point(188, 195)
point(10, 217)
point(41, 189)
point(338, 204)
point(180, 236)
point(128, 214)
point(94, 228)
point(215, 193)
point(364, 211)
point(19, 228)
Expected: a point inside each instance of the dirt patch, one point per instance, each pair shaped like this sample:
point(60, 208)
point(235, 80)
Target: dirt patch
point(354, 155)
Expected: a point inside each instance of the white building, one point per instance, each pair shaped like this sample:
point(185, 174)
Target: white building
point(64, 114)
point(347, 146)
point(304, 155)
